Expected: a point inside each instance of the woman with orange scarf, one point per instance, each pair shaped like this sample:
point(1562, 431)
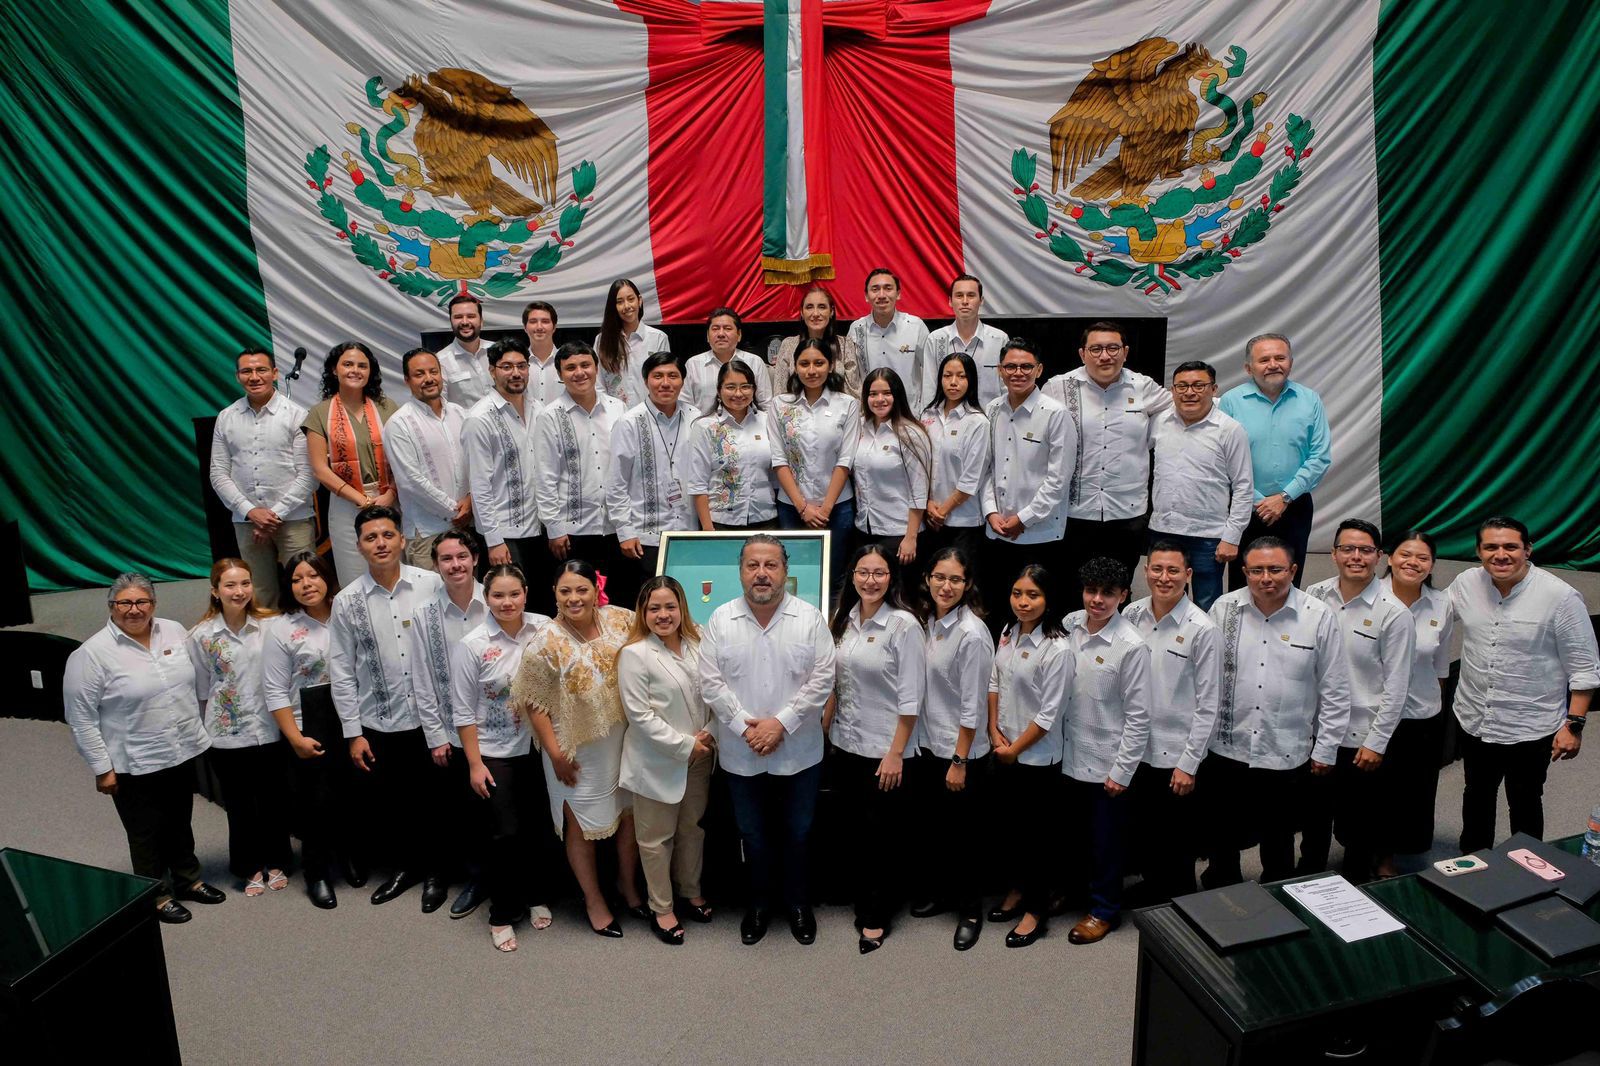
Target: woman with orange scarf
point(344, 441)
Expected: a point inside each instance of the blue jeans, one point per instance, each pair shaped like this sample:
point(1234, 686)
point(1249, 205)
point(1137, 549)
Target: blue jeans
point(1108, 842)
point(841, 524)
point(774, 812)
point(1206, 584)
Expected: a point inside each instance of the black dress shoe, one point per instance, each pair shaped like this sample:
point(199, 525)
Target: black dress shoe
point(1005, 914)
point(173, 913)
point(968, 930)
point(610, 932)
point(321, 895)
point(754, 926)
point(200, 892)
point(435, 891)
point(1015, 939)
point(355, 875)
point(803, 924)
point(395, 886)
point(698, 912)
point(927, 908)
point(471, 897)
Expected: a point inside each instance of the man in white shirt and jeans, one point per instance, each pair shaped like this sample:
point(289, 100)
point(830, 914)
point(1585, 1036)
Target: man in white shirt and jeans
point(260, 472)
point(766, 671)
point(423, 442)
point(1528, 671)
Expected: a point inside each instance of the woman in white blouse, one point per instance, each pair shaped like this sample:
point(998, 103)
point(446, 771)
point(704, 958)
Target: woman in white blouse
point(129, 695)
point(819, 321)
point(813, 427)
point(1409, 774)
point(294, 657)
point(730, 457)
point(953, 746)
point(498, 748)
point(668, 752)
point(624, 342)
point(226, 649)
point(893, 467)
point(960, 433)
point(1033, 669)
point(879, 678)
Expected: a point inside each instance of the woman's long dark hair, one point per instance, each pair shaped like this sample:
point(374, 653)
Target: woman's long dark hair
point(1050, 621)
point(1413, 534)
point(613, 350)
point(849, 597)
point(322, 564)
point(373, 390)
point(735, 366)
point(971, 599)
point(834, 380)
point(970, 399)
point(914, 440)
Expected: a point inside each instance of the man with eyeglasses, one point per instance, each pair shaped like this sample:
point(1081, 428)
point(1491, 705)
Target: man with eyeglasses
point(1379, 641)
point(1290, 447)
point(260, 472)
point(968, 335)
point(423, 441)
point(1203, 488)
point(892, 338)
point(1112, 409)
point(1032, 445)
point(1282, 712)
point(1528, 672)
point(497, 436)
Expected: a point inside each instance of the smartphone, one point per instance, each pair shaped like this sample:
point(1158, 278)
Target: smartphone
point(1533, 864)
point(1462, 864)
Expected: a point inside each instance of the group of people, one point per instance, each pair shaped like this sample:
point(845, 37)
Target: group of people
point(488, 645)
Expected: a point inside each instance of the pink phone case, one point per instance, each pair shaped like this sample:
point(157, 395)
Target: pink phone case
point(1535, 865)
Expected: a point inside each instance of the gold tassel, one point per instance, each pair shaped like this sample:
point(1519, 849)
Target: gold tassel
point(775, 271)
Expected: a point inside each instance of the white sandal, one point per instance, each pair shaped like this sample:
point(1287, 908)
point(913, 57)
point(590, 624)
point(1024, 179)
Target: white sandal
point(254, 887)
point(540, 916)
point(277, 880)
point(504, 937)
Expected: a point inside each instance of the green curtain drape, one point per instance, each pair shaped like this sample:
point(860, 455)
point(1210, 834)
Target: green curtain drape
point(129, 280)
point(1489, 179)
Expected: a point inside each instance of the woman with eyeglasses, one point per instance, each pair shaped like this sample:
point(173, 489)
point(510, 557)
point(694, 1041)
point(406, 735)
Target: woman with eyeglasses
point(893, 469)
point(729, 474)
point(959, 431)
point(813, 426)
point(879, 671)
point(818, 322)
point(129, 692)
point(952, 739)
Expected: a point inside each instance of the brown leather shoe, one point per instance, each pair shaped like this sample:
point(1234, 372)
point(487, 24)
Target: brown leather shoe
point(1090, 930)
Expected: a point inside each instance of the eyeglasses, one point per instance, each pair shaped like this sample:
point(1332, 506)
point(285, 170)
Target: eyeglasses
point(1104, 349)
point(875, 575)
point(132, 605)
point(941, 579)
point(1202, 387)
point(507, 365)
point(738, 388)
point(1017, 368)
point(1264, 571)
point(1354, 549)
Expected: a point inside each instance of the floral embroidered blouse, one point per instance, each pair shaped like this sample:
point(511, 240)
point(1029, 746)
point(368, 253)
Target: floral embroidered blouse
point(227, 682)
point(730, 463)
point(294, 656)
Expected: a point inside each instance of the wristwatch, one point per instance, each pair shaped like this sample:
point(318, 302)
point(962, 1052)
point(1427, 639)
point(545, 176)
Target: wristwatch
point(957, 760)
point(1575, 724)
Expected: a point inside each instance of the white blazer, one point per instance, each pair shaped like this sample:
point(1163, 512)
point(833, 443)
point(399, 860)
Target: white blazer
point(661, 697)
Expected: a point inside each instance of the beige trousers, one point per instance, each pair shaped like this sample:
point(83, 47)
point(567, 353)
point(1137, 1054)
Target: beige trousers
point(266, 559)
point(419, 551)
point(671, 842)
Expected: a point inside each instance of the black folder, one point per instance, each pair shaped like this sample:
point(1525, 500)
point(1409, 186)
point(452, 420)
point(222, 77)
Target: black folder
point(318, 719)
point(1238, 915)
point(1552, 927)
point(1582, 883)
point(1500, 884)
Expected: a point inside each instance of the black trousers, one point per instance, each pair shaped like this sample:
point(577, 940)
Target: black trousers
point(1294, 528)
point(1166, 830)
point(321, 803)
point(1246, 805)
point(533, 558)
point(1122, 539)
point(877, 835)
point(258, 817)
point(401, 806)
point(1522, 767)
point(156, 811)
point(1409, 778)
point(464, 839)
point(951, 852)
point(1346, 803)
point(516, 817)
point(1000, 563)
point(1031, 801)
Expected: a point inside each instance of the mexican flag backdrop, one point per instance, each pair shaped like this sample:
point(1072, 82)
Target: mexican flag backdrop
point(1405, 188)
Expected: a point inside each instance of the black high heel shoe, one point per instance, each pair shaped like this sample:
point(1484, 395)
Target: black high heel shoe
point(673, 936)
point(610, 932)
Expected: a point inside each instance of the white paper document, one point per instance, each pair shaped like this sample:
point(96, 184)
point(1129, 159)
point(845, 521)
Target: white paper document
point(1344, 908)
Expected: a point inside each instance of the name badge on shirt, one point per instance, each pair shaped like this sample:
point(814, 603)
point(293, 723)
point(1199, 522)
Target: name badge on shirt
point(166, 651)
point(905, 348)
point(1028, 435)
point(1179, 638)
point(758, 436)
point(406, 624)
point(953, 433)
point(674, 494)
point(1366, 621)
point(1284, 637)
point(1130, 399)
point(1099, 660)
point(1433, 622)
point(1024, 655)
point(871, 639)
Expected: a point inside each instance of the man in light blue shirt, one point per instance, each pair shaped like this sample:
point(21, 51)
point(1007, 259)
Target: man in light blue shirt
point(1290, 448)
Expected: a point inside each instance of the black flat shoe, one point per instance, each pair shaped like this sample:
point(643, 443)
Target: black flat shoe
point(610, 932)
point(754, 926)
point(673, 936)
point(968, 931)
point(1005, 914)
point(471, 897)
point(1015, 939)
point(355, 875)
point(173, 913)
point(395, 887)
point(200, 892)
point(803, 924)
point(321, 895)
point(868, 944)
point(698, 912)
point(642, 912)
point(927, 908)
point(434, 892)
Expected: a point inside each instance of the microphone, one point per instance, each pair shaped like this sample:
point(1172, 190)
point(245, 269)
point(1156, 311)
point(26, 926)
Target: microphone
point(299, 360)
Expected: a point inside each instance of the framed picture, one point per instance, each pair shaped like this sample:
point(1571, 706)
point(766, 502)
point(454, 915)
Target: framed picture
point(707, 566)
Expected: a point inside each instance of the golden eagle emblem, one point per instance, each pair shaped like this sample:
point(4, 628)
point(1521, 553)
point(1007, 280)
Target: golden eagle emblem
point(1140, 94)
point(468, 120)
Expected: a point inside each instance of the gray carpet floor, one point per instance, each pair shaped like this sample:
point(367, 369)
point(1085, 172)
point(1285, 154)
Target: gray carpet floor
point(275, 979)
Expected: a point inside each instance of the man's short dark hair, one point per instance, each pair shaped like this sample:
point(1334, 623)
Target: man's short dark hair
point(376, 513)
point(457, 536)
point(1269, 543)
point(539, 305)
point(464, 298)
point(571, 349)
point(405, 360)
point(764, 538)
point(655, 359)
point(725, 312)
point(500, 349)
point(1165, 545)
point(874, 272)
point(1102, 572)
point(965, 277)
point(272, 360)
point(1103, 327)
point(1195, 366)
point(1360, 525)
point(1505, 521)
point(1020, 344)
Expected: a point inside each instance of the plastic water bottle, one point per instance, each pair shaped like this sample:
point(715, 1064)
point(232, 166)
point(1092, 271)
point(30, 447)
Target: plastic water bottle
point(1591, 837)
